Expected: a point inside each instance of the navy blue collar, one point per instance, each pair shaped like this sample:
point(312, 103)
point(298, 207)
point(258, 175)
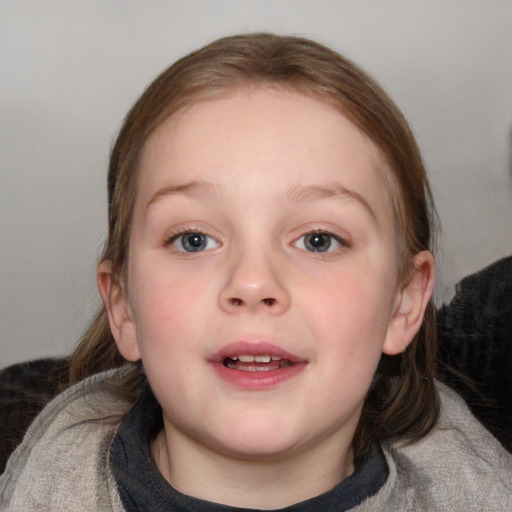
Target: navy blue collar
point(142, 487)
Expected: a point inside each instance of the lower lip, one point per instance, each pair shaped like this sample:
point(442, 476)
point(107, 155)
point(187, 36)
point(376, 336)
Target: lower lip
point(258, 380)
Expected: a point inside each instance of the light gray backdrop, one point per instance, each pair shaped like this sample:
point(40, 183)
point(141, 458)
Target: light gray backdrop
point(69, 70)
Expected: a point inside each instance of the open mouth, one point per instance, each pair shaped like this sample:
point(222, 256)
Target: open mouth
point(256, 366)
point(256, 363)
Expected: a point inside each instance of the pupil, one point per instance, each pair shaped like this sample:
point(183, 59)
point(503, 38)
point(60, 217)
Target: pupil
point(317, 242)
point(194, 242)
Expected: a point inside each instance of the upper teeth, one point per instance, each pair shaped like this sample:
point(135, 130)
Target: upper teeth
point(257, 359)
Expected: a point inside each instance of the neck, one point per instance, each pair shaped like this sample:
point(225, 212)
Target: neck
point(198, 471)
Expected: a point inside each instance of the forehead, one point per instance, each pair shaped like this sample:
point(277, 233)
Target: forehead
point(261, 135)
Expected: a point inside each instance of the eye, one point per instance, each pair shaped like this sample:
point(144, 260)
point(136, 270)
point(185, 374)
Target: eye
point(192, 241)
point(319, 241)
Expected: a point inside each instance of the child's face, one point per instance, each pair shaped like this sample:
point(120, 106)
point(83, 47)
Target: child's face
point(262, 227)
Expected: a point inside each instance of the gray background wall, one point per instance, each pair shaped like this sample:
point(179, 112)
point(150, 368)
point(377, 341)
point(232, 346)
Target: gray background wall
point(69, 70)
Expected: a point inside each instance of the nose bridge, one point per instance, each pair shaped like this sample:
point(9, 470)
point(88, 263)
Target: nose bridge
point(255, 280)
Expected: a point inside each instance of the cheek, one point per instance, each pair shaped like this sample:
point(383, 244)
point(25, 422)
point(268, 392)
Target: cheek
point(350, 300)
point(351, 325)
point(348, 314)
point(167, 308)
point(167, 321)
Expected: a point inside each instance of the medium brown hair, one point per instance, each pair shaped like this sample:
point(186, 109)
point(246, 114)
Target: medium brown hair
point(402, 402)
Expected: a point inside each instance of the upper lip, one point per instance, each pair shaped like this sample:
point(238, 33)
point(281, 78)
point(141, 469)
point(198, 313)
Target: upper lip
point(261, 348)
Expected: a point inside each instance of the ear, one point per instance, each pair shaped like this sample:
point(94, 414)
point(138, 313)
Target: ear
point(410, 304)
point(120, 317)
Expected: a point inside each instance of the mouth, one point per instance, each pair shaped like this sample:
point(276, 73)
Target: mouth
point(256, 365)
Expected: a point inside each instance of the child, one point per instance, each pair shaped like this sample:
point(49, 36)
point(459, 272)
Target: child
point(268, 277)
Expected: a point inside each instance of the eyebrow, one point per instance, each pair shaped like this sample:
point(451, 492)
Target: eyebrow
point(202, 189)
point(304, 193)
point(199, 189)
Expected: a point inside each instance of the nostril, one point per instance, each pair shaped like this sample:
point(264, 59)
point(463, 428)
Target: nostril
point(236, 302)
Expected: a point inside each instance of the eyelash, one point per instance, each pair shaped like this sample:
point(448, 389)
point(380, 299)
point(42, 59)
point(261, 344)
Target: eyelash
point(343, 243)
point(175, 237)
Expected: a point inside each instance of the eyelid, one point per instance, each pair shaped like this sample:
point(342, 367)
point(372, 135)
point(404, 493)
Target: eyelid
point(192, 226)
point(341, 239)
point(179, 232)
point(344, 242)
point(174, 235)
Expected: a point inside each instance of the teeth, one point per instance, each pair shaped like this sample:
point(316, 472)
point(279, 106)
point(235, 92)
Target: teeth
point(257, 359)
point(256, 363)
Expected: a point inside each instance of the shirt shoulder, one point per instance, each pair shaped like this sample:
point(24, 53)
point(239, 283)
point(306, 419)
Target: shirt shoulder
point(62, 462)
point(459, 465)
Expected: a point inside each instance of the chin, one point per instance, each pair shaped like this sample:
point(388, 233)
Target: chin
point(264, 451)
point(259, 439)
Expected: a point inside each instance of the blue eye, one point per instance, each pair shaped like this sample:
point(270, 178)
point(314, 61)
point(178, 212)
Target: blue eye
point(319, 242)
point(193, 241)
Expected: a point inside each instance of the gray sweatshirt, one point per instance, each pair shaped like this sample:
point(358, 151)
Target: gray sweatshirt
point(62, 464)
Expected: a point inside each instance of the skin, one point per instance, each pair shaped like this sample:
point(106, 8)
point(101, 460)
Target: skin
point(256, 172)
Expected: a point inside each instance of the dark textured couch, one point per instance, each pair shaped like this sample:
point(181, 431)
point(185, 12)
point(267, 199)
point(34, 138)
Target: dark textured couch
point(475, 358)
point(475, 346)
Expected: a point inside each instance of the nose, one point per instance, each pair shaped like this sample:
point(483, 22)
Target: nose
point(254, 284)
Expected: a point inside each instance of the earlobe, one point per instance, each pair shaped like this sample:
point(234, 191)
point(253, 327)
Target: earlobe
point(122, 324)
point(410, 305)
